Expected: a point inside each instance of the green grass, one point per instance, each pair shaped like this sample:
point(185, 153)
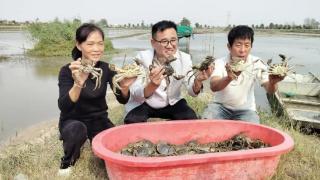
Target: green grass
point(41, 160)
point(56, 38)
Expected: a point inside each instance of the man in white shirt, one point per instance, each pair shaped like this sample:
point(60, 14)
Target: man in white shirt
point(234, 91)
point(154, 96)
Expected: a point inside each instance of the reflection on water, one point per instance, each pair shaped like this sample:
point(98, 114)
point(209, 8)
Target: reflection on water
point(28, 86)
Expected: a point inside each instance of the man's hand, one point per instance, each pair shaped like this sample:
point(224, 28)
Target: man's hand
point(156, 75)
point(274, 79)
point(231, 74)
point(205, 74)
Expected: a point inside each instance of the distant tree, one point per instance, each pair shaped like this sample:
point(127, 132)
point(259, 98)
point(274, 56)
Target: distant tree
point(185, 22)
point(103, 22)
point(56, 20)
point(261, 26)
point(142, 24)
point(76, 21)
point(311, 23)
point(197, 25)
point(271, 26)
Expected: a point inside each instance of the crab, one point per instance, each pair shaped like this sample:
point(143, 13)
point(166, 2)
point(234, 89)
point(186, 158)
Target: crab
point(127, 71)
point(238, 65)
point(168, 70)
point(143, 148)
point(165, 149)
point(281, 69)
point(204, 65)
point(87, 66)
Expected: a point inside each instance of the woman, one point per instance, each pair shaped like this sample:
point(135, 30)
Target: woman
point(82, 99)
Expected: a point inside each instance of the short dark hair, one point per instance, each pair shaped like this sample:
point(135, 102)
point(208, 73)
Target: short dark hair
point(161, 26)
point(82, 34)
point(240, 32)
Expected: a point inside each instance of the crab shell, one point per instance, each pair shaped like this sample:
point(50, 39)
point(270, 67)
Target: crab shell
point(238, 66)
point(279, 69)
point(128, 71)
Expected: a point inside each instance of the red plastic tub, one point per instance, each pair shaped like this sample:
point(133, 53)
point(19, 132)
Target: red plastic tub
point(244, 164)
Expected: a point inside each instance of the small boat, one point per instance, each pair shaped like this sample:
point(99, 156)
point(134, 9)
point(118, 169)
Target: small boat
point(298, 98)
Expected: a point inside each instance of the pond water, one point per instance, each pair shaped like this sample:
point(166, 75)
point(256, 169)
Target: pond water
point(28, 85)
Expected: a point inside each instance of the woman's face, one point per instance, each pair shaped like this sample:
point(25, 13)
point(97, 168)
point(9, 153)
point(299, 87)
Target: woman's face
point(93, 48)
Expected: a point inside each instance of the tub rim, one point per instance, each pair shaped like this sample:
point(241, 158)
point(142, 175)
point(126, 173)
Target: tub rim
point(110, 156)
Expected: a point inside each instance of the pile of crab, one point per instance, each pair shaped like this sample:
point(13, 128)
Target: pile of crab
point(146, 148)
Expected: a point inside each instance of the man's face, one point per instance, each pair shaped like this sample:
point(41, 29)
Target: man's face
point(165, 43)
point(240, 48)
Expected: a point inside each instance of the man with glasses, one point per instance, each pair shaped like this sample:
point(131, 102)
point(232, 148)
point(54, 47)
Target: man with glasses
point(153, 96)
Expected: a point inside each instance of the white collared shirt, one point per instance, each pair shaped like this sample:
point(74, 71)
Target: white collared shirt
point(163, 95)
point(239, 93)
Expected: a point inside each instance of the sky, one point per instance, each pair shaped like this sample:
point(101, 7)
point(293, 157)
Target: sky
point(210, 12)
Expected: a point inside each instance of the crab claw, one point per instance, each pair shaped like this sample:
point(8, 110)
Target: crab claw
point(283, 57)
point(269, 62)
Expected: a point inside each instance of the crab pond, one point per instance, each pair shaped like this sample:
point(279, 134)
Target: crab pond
point(28, 85)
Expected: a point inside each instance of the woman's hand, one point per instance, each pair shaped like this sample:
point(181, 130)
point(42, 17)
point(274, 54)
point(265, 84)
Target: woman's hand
point(127, 82)
point(78, 77)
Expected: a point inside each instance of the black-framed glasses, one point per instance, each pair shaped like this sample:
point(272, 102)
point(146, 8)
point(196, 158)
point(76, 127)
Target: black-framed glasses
point(165, 42)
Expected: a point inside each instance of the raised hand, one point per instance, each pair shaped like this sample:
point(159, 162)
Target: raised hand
point(78, 77)
point(127, 82)
point(156, 75)
point(205, 74)
point(273, 79)
point(231, 74)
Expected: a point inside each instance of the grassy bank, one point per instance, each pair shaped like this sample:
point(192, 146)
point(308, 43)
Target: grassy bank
point(40, 158)
point(56, 38)
point(3, 58)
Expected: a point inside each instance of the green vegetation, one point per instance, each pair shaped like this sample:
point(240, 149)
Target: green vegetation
point(39, 159)
point(3, 58)
point(56, 38)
